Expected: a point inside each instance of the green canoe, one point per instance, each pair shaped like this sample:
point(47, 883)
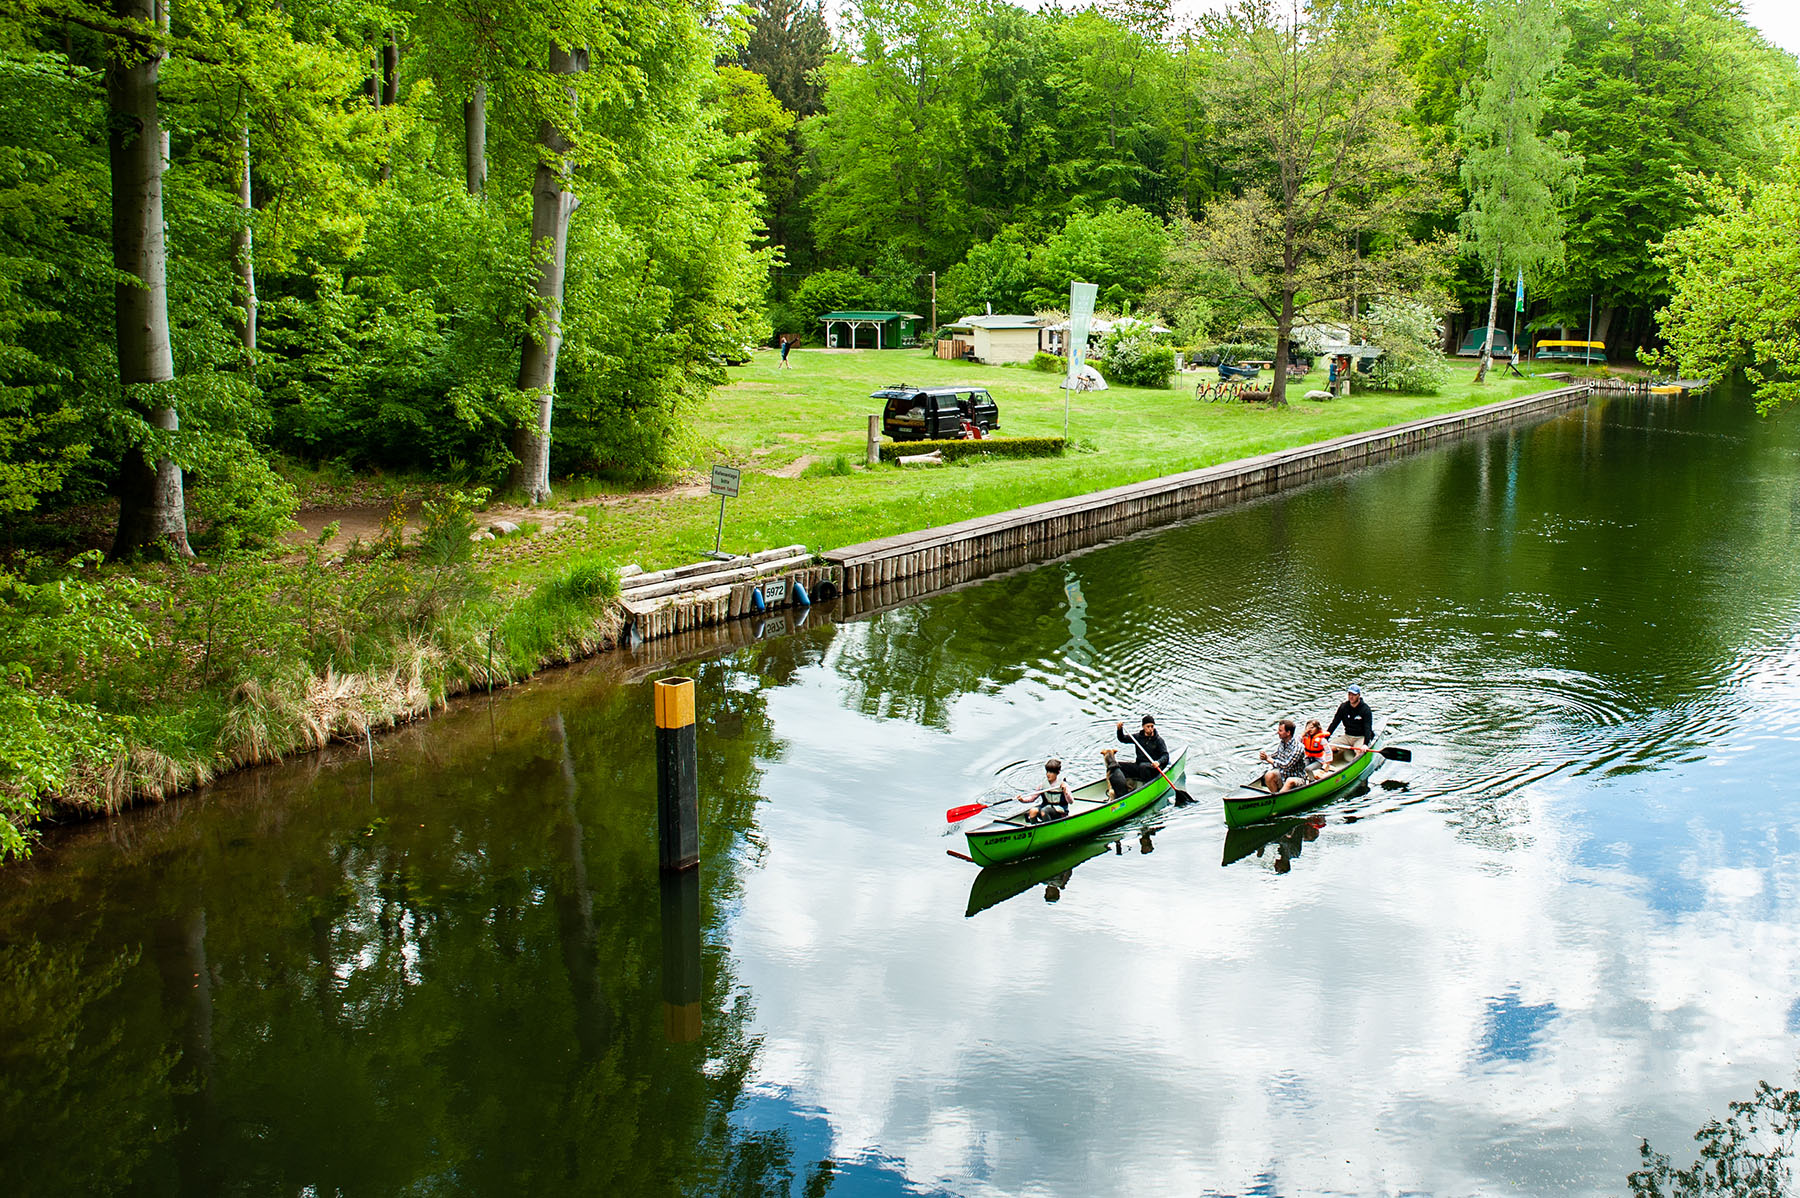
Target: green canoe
point(1255, 803)
point(1011, 838)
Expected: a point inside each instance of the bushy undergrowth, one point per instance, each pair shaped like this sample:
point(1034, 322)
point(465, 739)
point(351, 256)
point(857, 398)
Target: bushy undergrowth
point(119, 685)
point(993, 447)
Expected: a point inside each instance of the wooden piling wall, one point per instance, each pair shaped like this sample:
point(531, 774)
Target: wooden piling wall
point(1065, 525)
point(862, 580)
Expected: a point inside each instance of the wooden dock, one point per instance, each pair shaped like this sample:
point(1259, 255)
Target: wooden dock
point(1064, 525)
point(666, 602)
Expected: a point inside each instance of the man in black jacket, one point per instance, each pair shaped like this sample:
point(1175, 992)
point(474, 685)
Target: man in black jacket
point(1150, 749)
point(1359, 726)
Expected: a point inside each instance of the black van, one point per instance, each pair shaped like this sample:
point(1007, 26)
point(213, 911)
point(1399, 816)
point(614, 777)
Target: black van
point(935, 413)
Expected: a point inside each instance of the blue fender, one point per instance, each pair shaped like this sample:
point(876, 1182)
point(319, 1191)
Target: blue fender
point(800, 595)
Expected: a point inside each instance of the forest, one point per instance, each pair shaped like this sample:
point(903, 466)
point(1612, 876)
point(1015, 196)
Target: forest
point(505, 249)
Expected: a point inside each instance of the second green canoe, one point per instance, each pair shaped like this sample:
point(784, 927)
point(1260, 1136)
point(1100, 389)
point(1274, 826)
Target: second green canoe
point(1254, 803)
point(1093, 811)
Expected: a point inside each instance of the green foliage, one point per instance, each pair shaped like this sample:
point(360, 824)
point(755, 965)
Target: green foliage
point(1119, 248)
point(1518, 179)
point(1649, 93)
point(237, 501)
point(837, 466)
point(1334, 178)
point(562, 615)
point(1049, 363)
point(990, 447)
point(62, 642)
point(1133, 357)
point(828, 291)
point(1233, 352)
point(1410, 338)
point(1736, 301)
point(448, 525)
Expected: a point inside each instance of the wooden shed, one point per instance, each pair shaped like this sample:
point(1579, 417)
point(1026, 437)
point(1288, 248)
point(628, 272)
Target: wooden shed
point(871, 330)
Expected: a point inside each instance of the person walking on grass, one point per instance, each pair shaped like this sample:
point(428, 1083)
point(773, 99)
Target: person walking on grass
point(786, 343)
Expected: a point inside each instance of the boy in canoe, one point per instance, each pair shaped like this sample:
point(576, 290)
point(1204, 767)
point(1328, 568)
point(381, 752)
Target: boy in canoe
point(1053, 799)
point(1313, 745)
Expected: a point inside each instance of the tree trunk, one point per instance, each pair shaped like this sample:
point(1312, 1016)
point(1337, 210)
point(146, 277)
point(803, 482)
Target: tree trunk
point(1284, 328)
point(242, 252)
point(475, 140)
point(1604, 325)
point(389, 59)
point(552, 204)
point(151, 507)
point(390, 69)
point(1487, 338)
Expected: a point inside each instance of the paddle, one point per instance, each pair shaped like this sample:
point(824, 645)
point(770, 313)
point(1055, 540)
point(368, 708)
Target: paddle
point(1181, 796)
point(957, 815)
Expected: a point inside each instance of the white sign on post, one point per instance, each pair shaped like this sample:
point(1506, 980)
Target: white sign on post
point(1081, 315)
point(725, 486)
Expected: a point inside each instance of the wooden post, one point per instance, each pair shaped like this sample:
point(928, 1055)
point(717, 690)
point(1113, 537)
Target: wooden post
point(677, 776)
point(874, 438)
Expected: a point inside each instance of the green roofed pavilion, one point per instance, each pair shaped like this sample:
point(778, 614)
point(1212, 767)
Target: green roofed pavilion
point(890, 330)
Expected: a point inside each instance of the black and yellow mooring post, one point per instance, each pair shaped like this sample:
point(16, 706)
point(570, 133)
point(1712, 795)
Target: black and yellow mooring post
point(681, 976)
point(677, 775)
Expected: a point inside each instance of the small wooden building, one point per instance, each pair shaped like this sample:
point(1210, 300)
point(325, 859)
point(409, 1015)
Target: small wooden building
point(996, 340)
point(871, 330)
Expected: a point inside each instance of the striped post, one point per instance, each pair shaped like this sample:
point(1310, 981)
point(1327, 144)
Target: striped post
point(677, 775)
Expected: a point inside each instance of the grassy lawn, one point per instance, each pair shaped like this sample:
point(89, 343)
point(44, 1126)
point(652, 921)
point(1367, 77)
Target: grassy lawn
point(768, 420)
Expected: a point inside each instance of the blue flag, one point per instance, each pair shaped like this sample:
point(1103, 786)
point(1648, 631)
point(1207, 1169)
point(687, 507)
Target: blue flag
point(1519, 292)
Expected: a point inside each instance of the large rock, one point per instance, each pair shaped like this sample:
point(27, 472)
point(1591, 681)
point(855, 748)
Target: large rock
point(503, 528)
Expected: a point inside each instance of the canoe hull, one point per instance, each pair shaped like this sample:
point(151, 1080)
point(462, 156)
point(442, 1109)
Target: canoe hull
point(1000, 842)
point(1249, 806)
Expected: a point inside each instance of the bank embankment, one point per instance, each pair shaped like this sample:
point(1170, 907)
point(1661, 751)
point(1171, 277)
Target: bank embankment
point(243, 661)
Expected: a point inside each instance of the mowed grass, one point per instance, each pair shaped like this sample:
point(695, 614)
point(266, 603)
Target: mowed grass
point(766, 419)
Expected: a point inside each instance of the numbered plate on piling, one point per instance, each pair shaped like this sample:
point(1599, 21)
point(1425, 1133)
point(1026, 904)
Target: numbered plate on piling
point(725, 481)
point(774, 591)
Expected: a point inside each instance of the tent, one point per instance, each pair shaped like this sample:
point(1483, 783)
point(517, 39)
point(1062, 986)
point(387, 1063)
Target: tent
point(1087, 379)
point(1471, 345)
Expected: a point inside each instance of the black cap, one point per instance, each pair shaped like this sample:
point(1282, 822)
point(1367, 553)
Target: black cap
point(1149, 719)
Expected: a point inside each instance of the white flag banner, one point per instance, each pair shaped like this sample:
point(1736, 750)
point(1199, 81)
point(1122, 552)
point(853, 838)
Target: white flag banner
point(1081, 315)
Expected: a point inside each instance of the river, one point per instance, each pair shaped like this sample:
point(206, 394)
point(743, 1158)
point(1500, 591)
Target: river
point(1570, 923)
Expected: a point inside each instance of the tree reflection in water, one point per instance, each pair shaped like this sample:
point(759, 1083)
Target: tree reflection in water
point(1744, 1156)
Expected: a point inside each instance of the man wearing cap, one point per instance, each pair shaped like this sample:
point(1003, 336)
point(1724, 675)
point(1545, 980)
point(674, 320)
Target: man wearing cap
point(1359, 726)
point(1151, 751)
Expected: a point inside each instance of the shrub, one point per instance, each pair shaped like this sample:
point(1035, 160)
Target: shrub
point(1049, 363)
point(237, 501)
point(996, 447)
point(838, 466)
point(1132, 358)
point(448, 525)
point(1410, 362)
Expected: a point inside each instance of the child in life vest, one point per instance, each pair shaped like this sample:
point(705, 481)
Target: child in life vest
point(1313, 745)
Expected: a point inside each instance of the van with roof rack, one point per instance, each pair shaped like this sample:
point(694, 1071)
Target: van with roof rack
point(936, 413)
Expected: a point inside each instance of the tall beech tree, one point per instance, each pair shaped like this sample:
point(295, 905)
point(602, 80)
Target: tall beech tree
point(553, 203)
point(1517, 176)
point(152, 507)
point(1332, 174)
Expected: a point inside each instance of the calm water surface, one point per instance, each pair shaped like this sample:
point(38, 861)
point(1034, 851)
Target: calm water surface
point(1571, 922)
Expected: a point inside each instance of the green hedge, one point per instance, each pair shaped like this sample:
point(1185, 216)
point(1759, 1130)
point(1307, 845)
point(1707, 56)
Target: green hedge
point(998, 447)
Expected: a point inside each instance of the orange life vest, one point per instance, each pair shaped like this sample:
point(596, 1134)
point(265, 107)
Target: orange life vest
point(1313, 744)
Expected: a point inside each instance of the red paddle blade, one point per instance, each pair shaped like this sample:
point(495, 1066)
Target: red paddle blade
point(964, 812)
